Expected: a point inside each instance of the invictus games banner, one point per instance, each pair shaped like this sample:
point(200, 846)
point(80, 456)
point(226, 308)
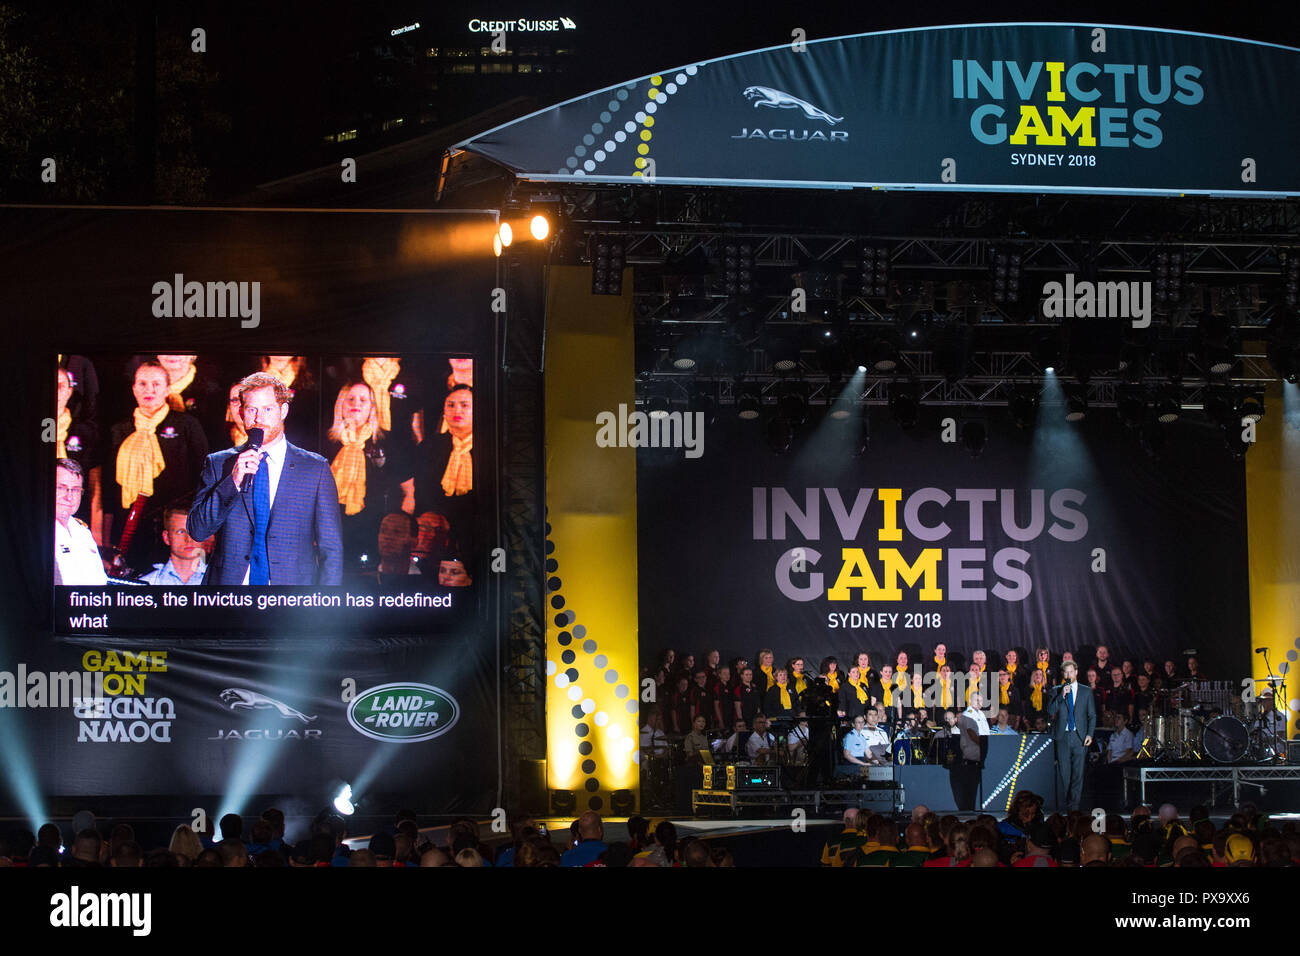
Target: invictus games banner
point(246, 545)
point(1027, 106)
point(1064, 537)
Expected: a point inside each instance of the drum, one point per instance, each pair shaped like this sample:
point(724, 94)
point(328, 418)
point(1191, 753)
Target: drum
point(1250, 711)
point(1226, 739)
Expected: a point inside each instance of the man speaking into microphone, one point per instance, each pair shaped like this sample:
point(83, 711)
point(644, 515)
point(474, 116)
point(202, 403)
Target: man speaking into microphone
point(273, 507)
point(1074, 720)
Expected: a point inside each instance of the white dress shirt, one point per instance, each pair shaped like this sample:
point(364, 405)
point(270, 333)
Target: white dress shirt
point(274, 465)
point(76, 555)
point(981, 722)
point(1121, 741)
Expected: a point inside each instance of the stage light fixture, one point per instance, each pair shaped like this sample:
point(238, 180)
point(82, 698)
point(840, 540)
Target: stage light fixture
point(1076, 405)
point(607, 262)
point(496, 244)
point(657, 406)
point(903, 403)
point(974, 435)
point(1131, 406)
point(540, 227)
point(875, 270)
point(780, 435)
point(1167, 410)
point(749, 401)
point(883, 355)
point(841, 408)
point(1251, 407)
point(1005, 275)
point(1024, 407)
point(342, 801)
point(783, 351)
point(563, 802)
point(506, 234)
point(738, 268)
point(1167, 278)
point(622, 803)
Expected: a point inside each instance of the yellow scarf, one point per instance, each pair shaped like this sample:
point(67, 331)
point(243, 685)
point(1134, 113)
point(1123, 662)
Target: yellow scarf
point(889, 693)
point(785, 696)
point(800, 685)
point(1042, 666)
point(458, 479)
point(1004, 694)
point(918, 698)
point(379, 374)
point(65, 421)
point(286, 375)
point(970, 686)
point(771, 679)
point(174, 390)
point(834, 681)
point(860, 687)
point(945, 698)
point(140, 459)
point(349, 467)
point(938, 662)
point(1011, 669)
point(1036, 695)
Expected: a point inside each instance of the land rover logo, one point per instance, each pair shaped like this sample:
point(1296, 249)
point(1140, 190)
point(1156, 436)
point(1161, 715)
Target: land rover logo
point(403, 712)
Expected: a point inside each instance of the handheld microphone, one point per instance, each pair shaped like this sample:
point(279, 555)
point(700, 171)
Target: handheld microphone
point(255, 438)
point(1260, 650)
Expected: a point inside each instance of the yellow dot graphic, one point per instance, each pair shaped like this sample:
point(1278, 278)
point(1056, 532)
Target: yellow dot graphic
point(640, 162)
point(646, 134)
point(649, 121)
point(643, 149)
point(653, 94)
point(656, 80)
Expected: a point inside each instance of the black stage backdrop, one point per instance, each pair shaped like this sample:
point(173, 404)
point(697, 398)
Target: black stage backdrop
point(1173, 532)
point(405, 704)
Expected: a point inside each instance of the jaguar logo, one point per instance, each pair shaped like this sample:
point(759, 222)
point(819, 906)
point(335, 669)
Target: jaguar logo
point(778, 99)
point(239, 699)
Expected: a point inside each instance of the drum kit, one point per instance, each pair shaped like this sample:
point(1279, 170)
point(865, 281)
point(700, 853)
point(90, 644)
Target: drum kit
point(1210, 721)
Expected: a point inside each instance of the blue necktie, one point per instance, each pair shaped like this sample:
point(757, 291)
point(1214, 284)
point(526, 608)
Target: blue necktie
point(259, 570)
point(1069, 696)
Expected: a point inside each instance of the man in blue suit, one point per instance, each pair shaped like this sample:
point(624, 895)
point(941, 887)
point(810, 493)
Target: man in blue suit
point(274, 510)
point(1074, 720)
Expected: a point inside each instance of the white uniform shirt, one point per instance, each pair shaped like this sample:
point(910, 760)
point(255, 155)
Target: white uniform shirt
point(274, 465)
point(1121, 741)
point(76, 555)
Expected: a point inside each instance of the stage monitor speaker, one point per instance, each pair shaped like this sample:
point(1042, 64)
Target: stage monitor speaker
point(880, 800)
point(712, 779)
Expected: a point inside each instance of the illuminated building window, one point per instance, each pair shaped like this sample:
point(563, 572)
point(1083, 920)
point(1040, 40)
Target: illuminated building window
point(330, 139)
point(459, 52)
point(392, 124)
point(347, 135)
point(525, 68)
point(564, 52)
point(462, 68)
point(498, 68)
point(431, 51)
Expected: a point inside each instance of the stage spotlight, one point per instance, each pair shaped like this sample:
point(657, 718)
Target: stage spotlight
point(780, 435)
point(343, 801)
point(540, 227)
point(784, 354)
point(1132, 407)
point(1076, 405)
point(1050, 370)
point(862, 368)
point(496, 244)
point(841, 408)
point(793, 406)
point(883, 355)
point(563, 802)
point(738, 268)
point(506, 234)
point(622, 803)
point(1167, 410)
point(904, 405)
point(974, 436)
point(1251, 407)
point(657, 406)
point(685, 353)
point(703, 402)
point(1024, 407)
point(607, 262)
point(748, 402)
